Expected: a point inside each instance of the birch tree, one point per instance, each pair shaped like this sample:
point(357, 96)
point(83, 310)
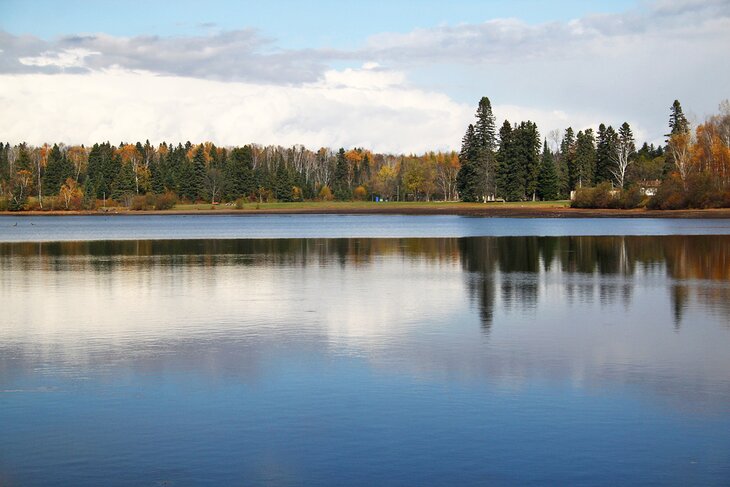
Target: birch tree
point(622, 154)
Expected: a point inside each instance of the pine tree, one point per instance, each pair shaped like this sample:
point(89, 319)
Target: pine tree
point(342, 170)
point(511, 171)
point(547, 181)
point(605, 151)
point(157, 172)
point(123, 185)
point(58, 168)
point(567, 161)
point(486, 140)
point(199, 171)
point(584, 163)
point(103, 168)
point(529, 156)
point(186, 180)
point(677, 121)
point(467, 180)
point(678, 126)
point(239, 173)
point(283, 182)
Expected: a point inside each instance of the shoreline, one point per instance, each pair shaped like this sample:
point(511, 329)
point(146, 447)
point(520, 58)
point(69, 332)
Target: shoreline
point(511, 211)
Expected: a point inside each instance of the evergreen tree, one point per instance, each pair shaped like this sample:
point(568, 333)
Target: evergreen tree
point(188, 186)
point(511, 171)
point(283, 182)
point(584, 163)
point(123, 185)
point(199, 169)
point(103, 168)
point(528, 140)
point(58, 168)
point(605, 153)
point(567, 161)
point(678, 123)
point(342, 172)
point(547, 181)
point(468, 179)
point(239, 173)
point(157, 173)
point(486, 140)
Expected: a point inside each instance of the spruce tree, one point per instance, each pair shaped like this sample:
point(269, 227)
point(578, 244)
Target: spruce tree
point(123, 185)
point(605, 153)
point(239, 173)
point(567, 161)
point(584, 163)
point(339, 184)
point(467, 179)
point(529, 156)
point(678, 123)
point(547, 181)
point(187, 186)
point(199, 171)
point(511, 170)
point(283, 182)
point(486, 140)
point(58, 168)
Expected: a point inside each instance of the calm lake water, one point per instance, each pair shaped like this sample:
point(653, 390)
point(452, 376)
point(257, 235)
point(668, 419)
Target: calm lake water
point(458, 360)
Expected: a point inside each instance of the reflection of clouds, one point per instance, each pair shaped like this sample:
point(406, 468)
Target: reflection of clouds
point(575, 312)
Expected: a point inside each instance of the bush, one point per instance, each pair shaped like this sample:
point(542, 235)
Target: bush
point(630, 198)
point(165, 201)
point(325, 194)
point(138, 203)
point(239, 203)
point(700, 191)
point(604, 196)
point(360, 193)
point(4, 204)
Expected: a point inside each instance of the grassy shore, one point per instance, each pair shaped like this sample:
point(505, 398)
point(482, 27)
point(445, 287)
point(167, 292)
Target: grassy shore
point(537, 209)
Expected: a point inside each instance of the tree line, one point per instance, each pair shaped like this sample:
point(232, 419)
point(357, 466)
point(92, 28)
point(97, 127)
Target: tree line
point(512, 163)
point(79, 177)
point(603, 166)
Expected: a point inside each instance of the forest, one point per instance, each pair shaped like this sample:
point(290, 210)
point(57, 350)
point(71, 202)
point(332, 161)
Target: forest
point(601, 168)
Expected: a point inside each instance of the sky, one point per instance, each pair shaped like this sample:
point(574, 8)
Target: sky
point(394, 76)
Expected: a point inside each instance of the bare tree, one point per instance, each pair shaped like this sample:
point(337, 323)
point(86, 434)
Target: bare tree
point(679, 148)
point(622, 153)
point(213, 183)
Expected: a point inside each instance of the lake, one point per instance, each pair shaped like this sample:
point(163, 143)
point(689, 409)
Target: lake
point(371, 350)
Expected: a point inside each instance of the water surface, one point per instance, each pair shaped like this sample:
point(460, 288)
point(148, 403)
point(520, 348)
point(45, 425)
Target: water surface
point(380, 361)
point(134, 227)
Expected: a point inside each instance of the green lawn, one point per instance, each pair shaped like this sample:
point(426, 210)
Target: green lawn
point(359, 205)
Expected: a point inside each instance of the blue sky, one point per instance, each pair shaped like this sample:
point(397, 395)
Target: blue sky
point(399, 76)
point(294, 24)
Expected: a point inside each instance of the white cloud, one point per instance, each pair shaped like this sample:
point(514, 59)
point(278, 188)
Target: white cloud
point(373, 108)
point(67, 58)
point(347, 108)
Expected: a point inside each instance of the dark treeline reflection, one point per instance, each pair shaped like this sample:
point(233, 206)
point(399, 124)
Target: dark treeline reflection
point(514, 266)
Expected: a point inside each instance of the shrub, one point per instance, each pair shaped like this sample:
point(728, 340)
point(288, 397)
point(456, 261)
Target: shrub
point(360, 193)
point(138, 203)
point(669, 196)
point(325, 194)
point(239, 203)
point(630, 198)
point(604, 196)
point(3, 204)
point(165, 201)
point(296, 193)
